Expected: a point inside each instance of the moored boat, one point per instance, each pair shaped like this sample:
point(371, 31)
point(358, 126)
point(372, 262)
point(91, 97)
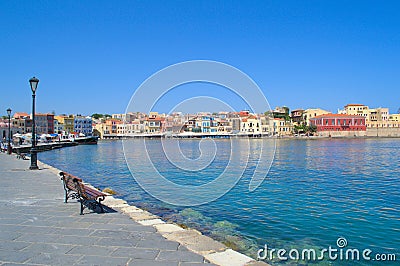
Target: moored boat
point(92, 140)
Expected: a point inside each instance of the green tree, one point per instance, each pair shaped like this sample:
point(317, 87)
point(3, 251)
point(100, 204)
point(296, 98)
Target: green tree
point(312, 128)
point(97, 116)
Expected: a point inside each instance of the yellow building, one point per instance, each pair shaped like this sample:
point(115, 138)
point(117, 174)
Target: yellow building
point(313, 112)
point(67, 121)
point(356, 109)
point(282, 127)
point(394, 117)
point(376, 117)
point(250, 124)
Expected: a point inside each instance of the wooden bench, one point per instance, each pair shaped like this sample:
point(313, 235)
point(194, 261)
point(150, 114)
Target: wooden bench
point(75, 189)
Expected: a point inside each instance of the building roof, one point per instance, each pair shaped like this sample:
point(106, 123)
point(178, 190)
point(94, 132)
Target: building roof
point(354, 104)
point(338, 116)
point(20, 114)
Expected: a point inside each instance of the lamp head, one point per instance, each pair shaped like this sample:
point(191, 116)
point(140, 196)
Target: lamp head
point(34, 83)
point(9, 111)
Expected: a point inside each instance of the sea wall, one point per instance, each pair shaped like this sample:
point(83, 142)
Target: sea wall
point(383, 132)
point(370, 132)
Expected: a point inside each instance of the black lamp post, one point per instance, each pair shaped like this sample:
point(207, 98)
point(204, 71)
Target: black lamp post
point(34, 83)
point(9, 149)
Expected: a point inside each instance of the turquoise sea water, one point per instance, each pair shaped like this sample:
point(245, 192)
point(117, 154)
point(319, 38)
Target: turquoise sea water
point(316, 191)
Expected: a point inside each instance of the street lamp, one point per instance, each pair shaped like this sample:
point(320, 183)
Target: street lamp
point(9, 149)
point(34, 83)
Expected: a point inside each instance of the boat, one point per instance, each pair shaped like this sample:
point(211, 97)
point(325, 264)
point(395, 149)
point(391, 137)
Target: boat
point(88, 140)
point(80, 138)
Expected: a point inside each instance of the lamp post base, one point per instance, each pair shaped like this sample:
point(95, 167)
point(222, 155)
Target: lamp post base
point(9, 150)
point(34, 165)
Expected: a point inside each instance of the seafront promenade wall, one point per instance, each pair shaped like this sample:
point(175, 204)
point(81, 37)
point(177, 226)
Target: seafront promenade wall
point(383, 132)
point(370, 132)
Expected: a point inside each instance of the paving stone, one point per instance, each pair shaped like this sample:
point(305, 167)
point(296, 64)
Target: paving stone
point(72, 224)
point(49, 248)
point(121, 220)
point(194, 241)
point(256, 263)
point(139, 216)
point(42, 222)
point(136, 253)
point(168, 228)
point(40, 238)
point(92, 250)
point(151, 222)
point(228, 258)
point(77, 240)
point(144, 262)
point(54, 259)
point(110, 233)
point(37, 229)
point(114, 242)
point(130, 209)
point(163, 245)
point(195, 264)
point(101, 260)
point(73, 231)
point(11, 221)
point(13, 245)
point(18, 264)
point(137, 228)
point(16, 257)
point(180, 255)
point(7, 235)
point(119, 206)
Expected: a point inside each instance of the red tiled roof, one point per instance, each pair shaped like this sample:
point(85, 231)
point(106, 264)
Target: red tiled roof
point(20, 114)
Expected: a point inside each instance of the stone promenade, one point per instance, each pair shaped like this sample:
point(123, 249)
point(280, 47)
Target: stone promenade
point(38, 228)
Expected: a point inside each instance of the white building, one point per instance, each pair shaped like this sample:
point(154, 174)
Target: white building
point(4, 130)
point(83, 124)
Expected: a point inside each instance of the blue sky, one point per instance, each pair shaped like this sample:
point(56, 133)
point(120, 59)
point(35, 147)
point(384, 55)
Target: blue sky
point(90, 56)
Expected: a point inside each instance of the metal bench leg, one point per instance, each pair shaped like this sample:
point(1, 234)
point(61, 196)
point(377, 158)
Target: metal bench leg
point(82, 207)
point(101, 205)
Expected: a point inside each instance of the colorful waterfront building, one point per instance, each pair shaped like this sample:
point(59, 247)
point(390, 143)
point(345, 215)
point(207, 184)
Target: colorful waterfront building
point(44, 123)
point(282, 127)
point(356, 109)
point(58, 127)
point(83, 125)
point(250, 124)
point(67, 121)
point(297, 117)
point(154, 123)
point(339, 123)
point(311, 113)
point(374, 117)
